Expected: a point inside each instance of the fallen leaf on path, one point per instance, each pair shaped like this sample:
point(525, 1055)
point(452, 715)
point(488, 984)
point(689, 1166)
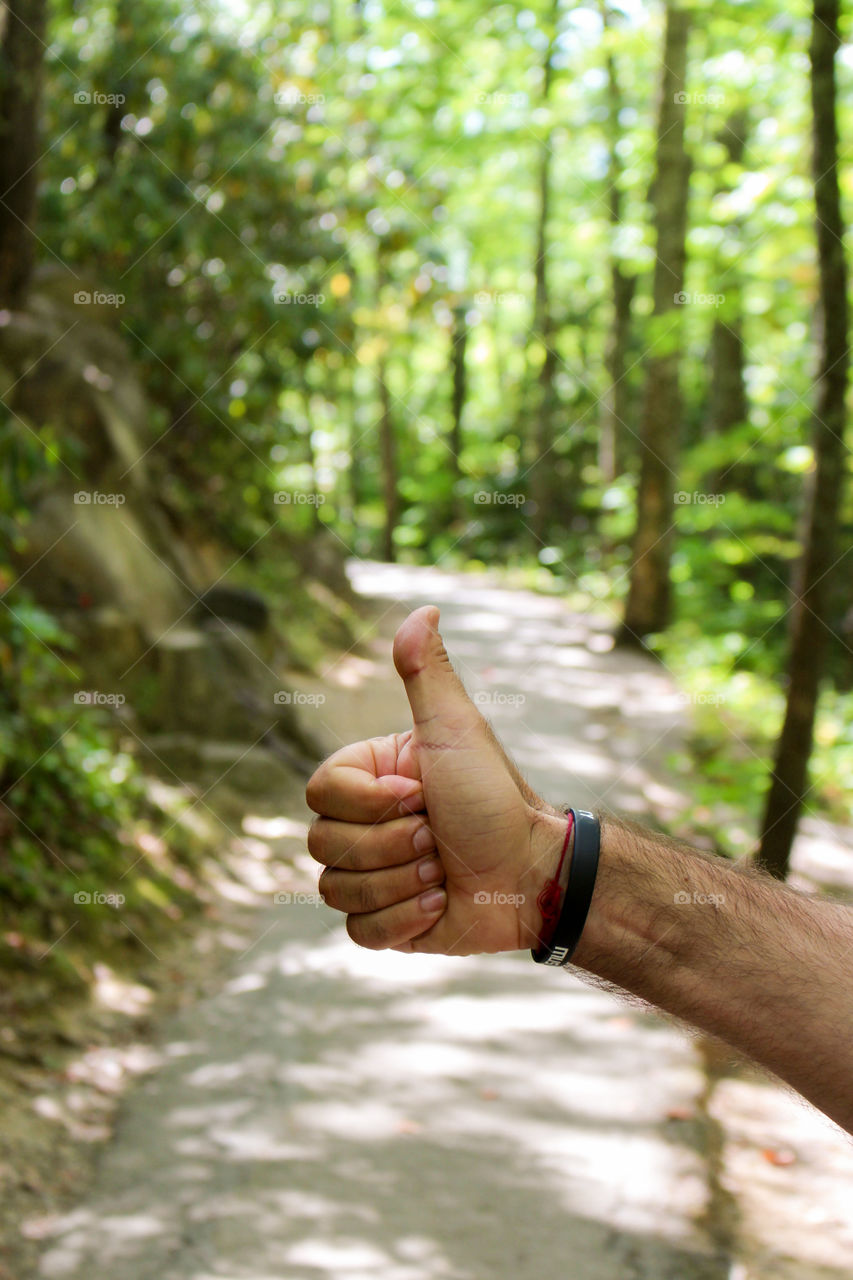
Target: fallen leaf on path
point(779, 1156)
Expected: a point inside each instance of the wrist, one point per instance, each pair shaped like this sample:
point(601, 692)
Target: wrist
point(547, 836)
point(634, 925)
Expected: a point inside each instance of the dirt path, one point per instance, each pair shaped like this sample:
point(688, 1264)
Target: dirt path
point(335, 1114)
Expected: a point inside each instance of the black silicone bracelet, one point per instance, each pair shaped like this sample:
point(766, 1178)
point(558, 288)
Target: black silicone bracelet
point(582, 873)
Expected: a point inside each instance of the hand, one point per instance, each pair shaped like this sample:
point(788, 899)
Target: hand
point(447, 784)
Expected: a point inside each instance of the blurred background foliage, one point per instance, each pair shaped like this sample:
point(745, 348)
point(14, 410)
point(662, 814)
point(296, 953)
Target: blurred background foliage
point(367, 254)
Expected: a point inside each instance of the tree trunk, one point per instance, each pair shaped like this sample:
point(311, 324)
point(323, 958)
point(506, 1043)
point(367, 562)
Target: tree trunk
point(116, 111)
point(21, 62)
point(648, 603)
point(615, 401)
point(388, 462)
point(311, 459)
point(727, 402)
point(459, 339)
point(727, 405)
point(544, 399)
point(809, 622)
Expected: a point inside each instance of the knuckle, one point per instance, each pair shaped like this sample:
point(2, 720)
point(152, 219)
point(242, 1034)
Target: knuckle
point(368, 897)
point(356, 857)
point(316, 790)
point(366, 934)
point(314, 840)
point(327, 886)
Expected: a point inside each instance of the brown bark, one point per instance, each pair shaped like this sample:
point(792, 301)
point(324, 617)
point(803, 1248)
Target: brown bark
point(21, 65)
point(615, 401)
point(459, 340)
point(388, 463)
point(544, 401)
point(648, 605)
point(116, 111)
point(809, 621)
point(727, 403)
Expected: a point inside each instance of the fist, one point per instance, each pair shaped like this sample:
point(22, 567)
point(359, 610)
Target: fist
point(430, 839)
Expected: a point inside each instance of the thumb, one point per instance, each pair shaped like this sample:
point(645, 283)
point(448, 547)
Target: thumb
point(433, 688)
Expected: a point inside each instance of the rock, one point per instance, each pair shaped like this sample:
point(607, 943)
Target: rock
point(105, 551)
point(235, 604)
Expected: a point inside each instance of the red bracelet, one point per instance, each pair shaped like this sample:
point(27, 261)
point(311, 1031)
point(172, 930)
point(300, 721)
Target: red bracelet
point(550, 900)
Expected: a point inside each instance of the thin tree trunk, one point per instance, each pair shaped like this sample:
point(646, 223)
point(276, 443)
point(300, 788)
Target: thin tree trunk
point(809, 621)
point(116, 111)
point(542, 465)
point(21, 67)
point(349, 403)
point(388, 461)
point(311, 459)
point(648, 605)
point(615, 401)
point(727, 402)
point(459, 339)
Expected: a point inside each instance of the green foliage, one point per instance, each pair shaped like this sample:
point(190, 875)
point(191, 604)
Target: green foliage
point(72, 805)
point(377, 168)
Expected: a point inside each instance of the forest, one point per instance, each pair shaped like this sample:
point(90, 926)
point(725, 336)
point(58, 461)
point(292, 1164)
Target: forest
point(557, 289)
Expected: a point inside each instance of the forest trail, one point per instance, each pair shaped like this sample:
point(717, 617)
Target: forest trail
point(337, 1114)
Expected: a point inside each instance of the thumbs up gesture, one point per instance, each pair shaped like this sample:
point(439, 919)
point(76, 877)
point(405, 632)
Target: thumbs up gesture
point(430, 838)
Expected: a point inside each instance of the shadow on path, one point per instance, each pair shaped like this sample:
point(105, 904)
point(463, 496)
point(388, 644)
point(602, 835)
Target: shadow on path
point(337, 1114)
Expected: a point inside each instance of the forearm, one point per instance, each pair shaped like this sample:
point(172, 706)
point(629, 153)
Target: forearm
point(735, 954)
